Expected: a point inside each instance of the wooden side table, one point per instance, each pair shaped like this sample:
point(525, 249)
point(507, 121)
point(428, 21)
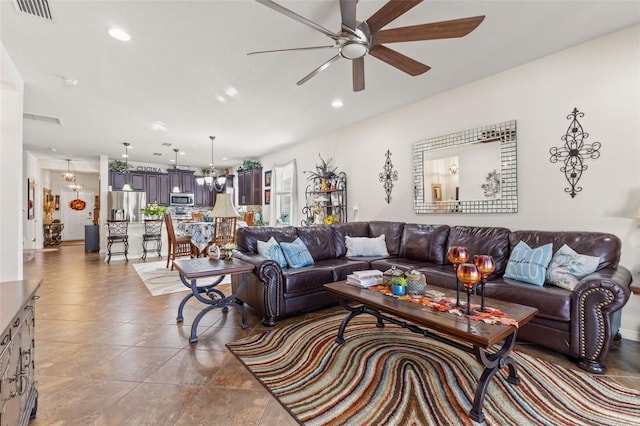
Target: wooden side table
point(52, 234)
point(191, 270)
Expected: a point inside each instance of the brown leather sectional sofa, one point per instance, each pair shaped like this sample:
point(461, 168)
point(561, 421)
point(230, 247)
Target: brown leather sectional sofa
point(579, 323)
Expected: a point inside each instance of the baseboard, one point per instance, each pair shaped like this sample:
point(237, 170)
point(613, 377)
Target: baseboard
point(630, 334)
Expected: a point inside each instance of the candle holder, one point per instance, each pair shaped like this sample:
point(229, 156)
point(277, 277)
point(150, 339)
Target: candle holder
point(457, 255)
point(469, 274)
point(486, 266)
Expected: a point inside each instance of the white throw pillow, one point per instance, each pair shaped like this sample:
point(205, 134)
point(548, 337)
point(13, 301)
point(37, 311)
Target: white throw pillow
point(265, 249)
point(567, 267)
point(363, 246)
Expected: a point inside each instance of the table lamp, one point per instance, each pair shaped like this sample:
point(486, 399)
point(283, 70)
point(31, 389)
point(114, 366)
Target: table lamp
point(225, 217)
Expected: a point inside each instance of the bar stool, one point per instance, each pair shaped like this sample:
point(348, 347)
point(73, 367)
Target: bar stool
point(118, 233)
point(152, 232)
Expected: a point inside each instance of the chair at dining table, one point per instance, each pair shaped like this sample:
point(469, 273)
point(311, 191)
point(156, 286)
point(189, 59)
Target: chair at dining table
point(197, 217)
point(180, 245)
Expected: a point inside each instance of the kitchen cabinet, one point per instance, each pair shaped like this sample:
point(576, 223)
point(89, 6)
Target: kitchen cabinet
point(157, 188)
point(182, 179)
point(116, 180)
point(19, 395)
point(250, 187)
point(136, 179)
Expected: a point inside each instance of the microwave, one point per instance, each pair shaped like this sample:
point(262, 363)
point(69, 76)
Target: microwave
point(181, 199)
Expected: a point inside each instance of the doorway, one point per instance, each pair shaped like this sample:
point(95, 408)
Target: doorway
point(75, 219)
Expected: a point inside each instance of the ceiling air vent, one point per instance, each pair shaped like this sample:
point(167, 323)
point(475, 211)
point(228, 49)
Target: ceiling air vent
point(42, 118)
point(39, 8)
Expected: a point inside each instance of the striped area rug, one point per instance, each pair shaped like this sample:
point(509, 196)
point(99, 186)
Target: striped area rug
point(394, 377)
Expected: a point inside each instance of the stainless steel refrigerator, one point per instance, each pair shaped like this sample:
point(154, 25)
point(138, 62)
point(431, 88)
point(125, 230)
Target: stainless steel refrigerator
point(126, 205)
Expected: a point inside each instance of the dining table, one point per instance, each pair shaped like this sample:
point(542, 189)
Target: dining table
point(201, 233)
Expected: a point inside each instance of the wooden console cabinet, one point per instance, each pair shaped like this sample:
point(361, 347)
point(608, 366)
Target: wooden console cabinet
point(18, 393)
point(250, 187)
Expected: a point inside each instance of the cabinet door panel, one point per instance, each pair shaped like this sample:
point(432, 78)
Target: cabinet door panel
point(138, 181)
point(163, 190)
point(153, 186)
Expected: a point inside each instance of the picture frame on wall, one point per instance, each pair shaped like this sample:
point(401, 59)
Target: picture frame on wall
point(31, 198)
point(267, 196)
point(267, 178)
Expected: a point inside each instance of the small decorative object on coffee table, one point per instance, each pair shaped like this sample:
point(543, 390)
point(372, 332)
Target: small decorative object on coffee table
point(468, 273)
point(213, 251)
point(457, 255)
point(416, 282)
point(227, 251)
point(398, 286)
point(486, 266)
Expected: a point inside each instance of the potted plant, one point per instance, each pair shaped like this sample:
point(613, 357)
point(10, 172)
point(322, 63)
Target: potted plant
point(398, 286)
point(153, 210)
point(119, 166)
point(324, 173)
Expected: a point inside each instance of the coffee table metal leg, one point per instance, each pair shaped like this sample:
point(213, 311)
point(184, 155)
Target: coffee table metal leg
point(353, 312)
point(493, 363)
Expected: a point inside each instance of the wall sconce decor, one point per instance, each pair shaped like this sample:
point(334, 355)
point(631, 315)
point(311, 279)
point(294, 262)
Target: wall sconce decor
point(387, 176)
point(574, 152)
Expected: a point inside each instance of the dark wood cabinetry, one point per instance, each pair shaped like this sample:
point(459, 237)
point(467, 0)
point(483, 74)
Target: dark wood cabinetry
point(181, 179)
point(138, 181)
point(250, 187)
point(19, 401)
point(157, 188)
point(116, 180)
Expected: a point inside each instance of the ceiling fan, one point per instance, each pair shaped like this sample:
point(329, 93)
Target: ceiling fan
point(356, 39)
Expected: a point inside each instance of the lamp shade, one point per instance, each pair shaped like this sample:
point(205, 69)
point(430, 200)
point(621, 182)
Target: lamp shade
point(224, 207)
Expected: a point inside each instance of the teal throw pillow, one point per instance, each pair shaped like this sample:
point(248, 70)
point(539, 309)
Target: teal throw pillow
point(272, 250)
point(297, 254)
point(527, 264)
point(567, 267)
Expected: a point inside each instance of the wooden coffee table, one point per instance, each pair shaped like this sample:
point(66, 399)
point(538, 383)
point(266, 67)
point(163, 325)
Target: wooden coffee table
point(466, 334)
point(191, 270)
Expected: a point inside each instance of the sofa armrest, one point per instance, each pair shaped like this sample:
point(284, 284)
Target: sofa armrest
point(270, 275)
point(596, 298)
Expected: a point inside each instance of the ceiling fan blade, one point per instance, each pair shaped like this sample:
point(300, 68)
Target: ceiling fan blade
point(348, 13)
point(433, 31)
point(389, 12)
point(358, 74)
point(292, 49)
point(398, 60)
point(317, 70)
point(291, 14)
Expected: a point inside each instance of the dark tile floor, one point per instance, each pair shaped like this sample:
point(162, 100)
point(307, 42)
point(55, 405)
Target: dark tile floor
point(109, 353)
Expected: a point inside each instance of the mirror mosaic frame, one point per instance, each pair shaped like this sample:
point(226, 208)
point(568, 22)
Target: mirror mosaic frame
point(506, 132)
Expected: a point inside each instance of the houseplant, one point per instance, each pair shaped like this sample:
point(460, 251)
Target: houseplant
point(398, 286)
point(324, 172)
point(153, 210)
point(119, 166)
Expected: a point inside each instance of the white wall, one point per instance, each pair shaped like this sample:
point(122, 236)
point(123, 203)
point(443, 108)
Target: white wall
point(12, 190)
point(601, 78)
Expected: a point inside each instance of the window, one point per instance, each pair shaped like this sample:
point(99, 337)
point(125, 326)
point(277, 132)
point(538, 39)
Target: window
point(283, 194)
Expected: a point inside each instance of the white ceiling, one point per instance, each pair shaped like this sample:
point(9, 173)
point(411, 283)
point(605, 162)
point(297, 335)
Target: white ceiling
point(183, 55)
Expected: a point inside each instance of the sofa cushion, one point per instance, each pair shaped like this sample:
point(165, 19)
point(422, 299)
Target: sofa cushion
point(247, 237)
point(351, 229)
point(365, 246)
point(567, 267)
point(599, 244)
point(297, 254)
point(392, 233)
point(340, 268)
point(425, 242)
point(272, 250)
point(319, 241)
point(529, 264)
point(493, 241)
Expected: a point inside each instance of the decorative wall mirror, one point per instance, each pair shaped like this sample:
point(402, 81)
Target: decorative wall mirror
point(473, 171)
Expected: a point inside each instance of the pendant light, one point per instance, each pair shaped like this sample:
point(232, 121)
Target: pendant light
point(68, 176)
point(211, 178)
point(175, 166)
point(127, 185)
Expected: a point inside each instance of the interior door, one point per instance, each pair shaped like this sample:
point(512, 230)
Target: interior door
point(75, 220)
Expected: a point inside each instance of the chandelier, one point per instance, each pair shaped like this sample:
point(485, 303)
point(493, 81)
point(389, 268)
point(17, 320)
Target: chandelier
point(211, 177)
point(68, 176)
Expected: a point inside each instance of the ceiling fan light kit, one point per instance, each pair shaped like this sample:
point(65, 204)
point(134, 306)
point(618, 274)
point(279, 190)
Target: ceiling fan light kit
point(355, 40)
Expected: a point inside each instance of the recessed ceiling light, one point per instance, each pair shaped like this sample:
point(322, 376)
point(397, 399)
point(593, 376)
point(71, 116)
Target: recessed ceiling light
point(231, 92)
point(221, 99)
point(172, 161)
point(224, 158)
point(71, 82)
point(337, 103)
point(159, 126)
point(182, 153)
point(119, 34)
point(54, 150)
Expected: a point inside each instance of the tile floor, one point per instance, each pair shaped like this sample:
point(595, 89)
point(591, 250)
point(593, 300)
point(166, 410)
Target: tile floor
point(109, 353)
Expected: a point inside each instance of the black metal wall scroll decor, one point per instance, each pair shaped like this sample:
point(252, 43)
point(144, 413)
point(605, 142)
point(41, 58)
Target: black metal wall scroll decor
point(574, 152)
point(387, 176)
